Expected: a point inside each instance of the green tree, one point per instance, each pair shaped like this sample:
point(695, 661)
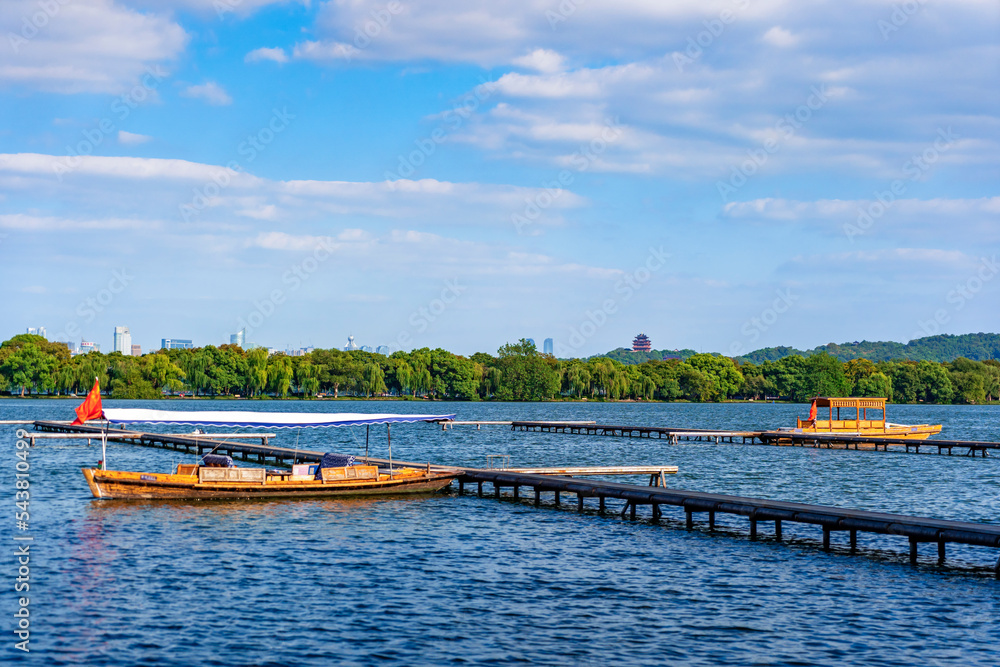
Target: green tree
point(695, 385)
point(823, 376)
point(279, 374)
point(726, 378)
point(936, 386)
point(525, 374)
point(372, 380)
point(29, 368)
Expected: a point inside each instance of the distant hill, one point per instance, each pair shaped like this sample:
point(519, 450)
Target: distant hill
point(942, 348)
point(627, 356)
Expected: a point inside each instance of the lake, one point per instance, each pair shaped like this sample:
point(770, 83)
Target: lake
point(449, 579)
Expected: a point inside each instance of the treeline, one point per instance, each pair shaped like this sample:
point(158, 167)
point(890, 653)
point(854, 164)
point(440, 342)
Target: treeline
point(518, 372)
point(940, 348)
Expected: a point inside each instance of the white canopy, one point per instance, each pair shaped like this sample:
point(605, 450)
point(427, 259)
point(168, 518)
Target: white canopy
point(235, 418)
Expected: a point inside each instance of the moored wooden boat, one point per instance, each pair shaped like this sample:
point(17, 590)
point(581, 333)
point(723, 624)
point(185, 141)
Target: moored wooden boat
point(197, 481)
point(861, 424)
point(217, 477)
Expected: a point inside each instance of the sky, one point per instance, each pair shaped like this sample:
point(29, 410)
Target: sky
point(722, 175)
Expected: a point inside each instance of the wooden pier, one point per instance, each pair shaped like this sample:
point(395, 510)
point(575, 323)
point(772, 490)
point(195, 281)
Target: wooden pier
point(837, 441)
point(780, 438)
point(917, 530)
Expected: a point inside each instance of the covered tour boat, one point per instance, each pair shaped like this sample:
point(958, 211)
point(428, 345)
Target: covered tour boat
point(216, 476)
point(861, 416)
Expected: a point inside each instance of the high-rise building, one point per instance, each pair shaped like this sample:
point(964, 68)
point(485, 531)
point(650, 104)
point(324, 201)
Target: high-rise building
point(176, 344)
point(239, 338)
point(366, 348)
point(351, 345)
point(136, 350)
point(37, 331)
point(383, 349)
point(530, 340)
point(641, 343)
point(123, 341)
point(548, 346)
point(88, 346)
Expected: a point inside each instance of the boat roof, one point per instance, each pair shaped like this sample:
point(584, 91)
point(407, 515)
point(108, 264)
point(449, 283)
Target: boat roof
point(235, 418)
point(852, 402)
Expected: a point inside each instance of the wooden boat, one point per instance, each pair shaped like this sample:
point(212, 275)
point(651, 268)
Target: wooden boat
point(217, 477)
point(199, 481)
point(860, 423)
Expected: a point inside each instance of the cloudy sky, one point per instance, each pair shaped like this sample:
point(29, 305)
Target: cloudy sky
point(722, 175)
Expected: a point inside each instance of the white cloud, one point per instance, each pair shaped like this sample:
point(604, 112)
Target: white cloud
point(542, 60)
point(778, 36)
point(209, 91)
point(312, 50)
point(83, 46)
point(259, 55)
point(216, 9)
point(147, 183)
point(132, 139)
point(786, 210)
point(33, 223)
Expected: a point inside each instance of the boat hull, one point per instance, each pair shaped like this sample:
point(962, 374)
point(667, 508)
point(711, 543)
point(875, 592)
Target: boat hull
point(919, 432)
point(115, 484)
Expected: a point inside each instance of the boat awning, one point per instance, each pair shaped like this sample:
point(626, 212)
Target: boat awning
point(235, 418)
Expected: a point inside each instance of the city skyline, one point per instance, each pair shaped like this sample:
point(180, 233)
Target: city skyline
point(122, 341)
point(737, 175)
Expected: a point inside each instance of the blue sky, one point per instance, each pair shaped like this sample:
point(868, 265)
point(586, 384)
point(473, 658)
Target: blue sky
point(722, 175)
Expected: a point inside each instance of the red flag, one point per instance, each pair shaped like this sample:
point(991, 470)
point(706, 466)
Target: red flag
point(91, 406)
point(812, 411)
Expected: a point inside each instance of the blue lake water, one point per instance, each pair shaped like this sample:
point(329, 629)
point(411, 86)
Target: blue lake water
point(448, 579)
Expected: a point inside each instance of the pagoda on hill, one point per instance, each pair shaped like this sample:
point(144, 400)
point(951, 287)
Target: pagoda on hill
point(641, 343)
